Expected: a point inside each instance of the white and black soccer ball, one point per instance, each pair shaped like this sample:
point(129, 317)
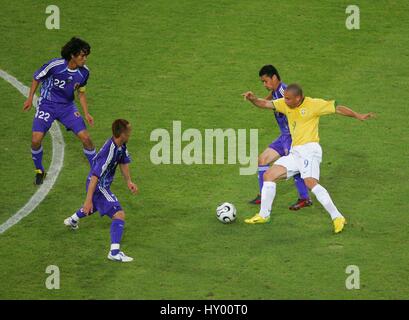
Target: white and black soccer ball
point(226, 212)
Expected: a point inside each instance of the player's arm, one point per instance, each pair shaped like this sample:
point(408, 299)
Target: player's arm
point(87, 207)
point(29, 102)
point(345, 111)
point(83, 101)
point(127, 176)
point(45, 71)
point(258, 102)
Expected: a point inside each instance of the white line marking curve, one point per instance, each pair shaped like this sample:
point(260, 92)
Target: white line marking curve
point(56, 165)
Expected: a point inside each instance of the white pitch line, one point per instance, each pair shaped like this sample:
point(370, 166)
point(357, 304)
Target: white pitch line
point(55, 167)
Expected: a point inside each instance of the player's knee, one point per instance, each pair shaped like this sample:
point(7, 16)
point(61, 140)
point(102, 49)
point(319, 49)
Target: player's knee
point(262, 161)
point(310, 182)
point(36, 142)
point(120, 215)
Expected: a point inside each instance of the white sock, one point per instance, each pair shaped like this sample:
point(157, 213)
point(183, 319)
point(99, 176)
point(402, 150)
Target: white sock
point(115, 246)
point(75, 217)
point(324, 198)
point(268, 194)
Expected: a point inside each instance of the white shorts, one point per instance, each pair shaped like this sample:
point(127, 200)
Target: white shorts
point(304, 159)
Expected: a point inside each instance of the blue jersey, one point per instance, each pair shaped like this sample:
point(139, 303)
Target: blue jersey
point(58, 82)
point(105, 162)
point(281, 118)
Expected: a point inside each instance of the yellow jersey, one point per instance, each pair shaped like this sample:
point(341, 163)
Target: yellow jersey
point(303, 120)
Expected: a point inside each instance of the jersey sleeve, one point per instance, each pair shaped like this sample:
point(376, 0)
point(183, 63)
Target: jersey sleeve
point(85, 80)
point(280, 105)
point(323, 107)
point(126, 158)
point(102, 159)
point(47, 69)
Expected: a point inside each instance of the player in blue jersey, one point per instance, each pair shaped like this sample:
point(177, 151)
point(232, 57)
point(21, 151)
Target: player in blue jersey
point(60, 78)
point(99, 196)
point(280, 147)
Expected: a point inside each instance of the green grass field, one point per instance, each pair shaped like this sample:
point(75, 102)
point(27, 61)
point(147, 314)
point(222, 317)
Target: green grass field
point(153, 62)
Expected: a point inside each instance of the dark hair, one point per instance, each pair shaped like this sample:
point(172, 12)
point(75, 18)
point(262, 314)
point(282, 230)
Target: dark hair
point(295, 89)
point(269, 70)
point(119, 126)
point(74, 47)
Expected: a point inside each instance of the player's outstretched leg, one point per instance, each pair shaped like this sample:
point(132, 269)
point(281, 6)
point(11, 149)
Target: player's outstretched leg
point(325, 199)
point(37, 156)
point(117, 229)
point(303, 196)
point(73, 221)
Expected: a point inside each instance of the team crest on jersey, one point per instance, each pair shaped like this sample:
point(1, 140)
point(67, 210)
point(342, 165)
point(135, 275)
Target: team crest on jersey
point(303, 112)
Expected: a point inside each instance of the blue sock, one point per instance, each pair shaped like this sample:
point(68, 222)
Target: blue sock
point(90, 154)
point(117, 229)
point(261, 170)
point(37, 156)
point(301, 187)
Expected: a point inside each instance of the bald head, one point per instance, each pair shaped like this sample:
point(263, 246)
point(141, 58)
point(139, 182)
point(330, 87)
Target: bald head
point(295, 89)
point(293, 95)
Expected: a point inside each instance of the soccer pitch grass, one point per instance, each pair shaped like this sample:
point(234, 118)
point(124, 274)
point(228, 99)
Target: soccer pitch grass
point(158, 61)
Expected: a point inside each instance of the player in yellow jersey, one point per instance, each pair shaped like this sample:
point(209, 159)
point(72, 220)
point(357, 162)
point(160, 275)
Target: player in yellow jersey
point(305, 156)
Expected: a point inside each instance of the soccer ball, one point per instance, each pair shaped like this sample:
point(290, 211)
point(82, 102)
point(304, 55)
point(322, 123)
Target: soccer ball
point(226, 212)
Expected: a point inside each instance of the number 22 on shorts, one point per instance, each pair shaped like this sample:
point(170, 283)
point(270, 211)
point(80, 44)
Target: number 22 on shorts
point(42, 115)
